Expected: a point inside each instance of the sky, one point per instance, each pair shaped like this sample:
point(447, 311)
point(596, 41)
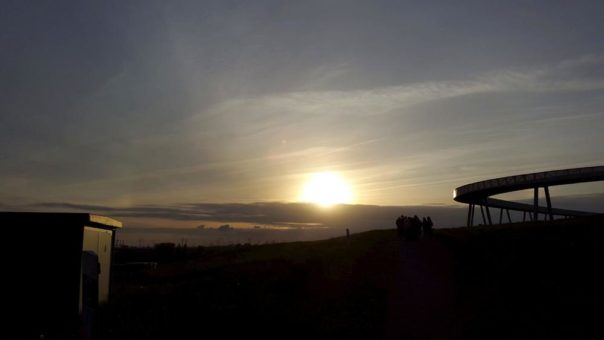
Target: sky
point(151, 105)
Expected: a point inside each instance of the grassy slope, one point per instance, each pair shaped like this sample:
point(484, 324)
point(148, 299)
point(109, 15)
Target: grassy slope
point(539, 280)
point(299, 290)
point(532, 280)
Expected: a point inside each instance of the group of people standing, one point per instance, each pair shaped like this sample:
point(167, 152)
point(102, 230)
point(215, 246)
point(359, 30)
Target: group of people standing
point(412, 227)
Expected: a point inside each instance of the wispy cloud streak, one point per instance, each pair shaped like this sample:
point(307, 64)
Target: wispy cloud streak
point(582, 74)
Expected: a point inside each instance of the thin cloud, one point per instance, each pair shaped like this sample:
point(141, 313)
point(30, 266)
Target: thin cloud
point(574, 75)
point(361, 217)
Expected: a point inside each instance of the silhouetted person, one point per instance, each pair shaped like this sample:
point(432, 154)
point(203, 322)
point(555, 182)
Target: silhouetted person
point(400, 225)
point(414, 229)
point(417, 226)
point(424, 223)
point(427, 226)
point(404, 226)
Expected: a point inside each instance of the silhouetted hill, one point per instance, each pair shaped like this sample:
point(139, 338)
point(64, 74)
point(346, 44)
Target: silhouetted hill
point(511, 281)
point(534, 280)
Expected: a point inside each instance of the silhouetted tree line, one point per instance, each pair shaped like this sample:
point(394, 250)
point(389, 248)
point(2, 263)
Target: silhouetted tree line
point(412, 227)
point(169, 252)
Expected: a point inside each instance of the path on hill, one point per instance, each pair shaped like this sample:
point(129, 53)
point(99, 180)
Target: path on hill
point(423, 304)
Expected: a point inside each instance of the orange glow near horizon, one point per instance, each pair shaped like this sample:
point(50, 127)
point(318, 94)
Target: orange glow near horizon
point(326, 189)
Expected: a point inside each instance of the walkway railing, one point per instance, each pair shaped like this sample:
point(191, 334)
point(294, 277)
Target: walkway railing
point(478, 193)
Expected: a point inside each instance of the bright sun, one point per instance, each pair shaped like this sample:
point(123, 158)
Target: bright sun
point(326, 189)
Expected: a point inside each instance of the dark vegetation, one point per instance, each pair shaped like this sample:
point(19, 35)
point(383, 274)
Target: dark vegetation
point(539, 280)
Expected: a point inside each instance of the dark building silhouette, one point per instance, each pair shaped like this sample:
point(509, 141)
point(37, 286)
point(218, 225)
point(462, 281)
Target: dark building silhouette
point(57, 267)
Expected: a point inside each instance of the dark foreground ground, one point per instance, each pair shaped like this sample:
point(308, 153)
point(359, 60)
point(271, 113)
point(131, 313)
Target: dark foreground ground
point(541, 280)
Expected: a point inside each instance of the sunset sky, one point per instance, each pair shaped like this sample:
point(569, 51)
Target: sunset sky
point(124, 104)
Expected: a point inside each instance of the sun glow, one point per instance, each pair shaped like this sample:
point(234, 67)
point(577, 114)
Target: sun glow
point(326, 189)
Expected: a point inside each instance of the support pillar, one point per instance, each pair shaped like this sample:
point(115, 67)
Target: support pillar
point(536, 204)
point(486, 207)
point(549, 203)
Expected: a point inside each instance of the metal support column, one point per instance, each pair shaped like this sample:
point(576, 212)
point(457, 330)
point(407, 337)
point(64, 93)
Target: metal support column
point(470, 206)
point(536, 204)
point(484, 221)
point(549, 203)
point(509, 217)
point(500, 216)
point(486, 207)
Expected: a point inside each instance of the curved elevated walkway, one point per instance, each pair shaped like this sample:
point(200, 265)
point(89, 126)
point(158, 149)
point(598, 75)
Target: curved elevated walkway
point(479, 193)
